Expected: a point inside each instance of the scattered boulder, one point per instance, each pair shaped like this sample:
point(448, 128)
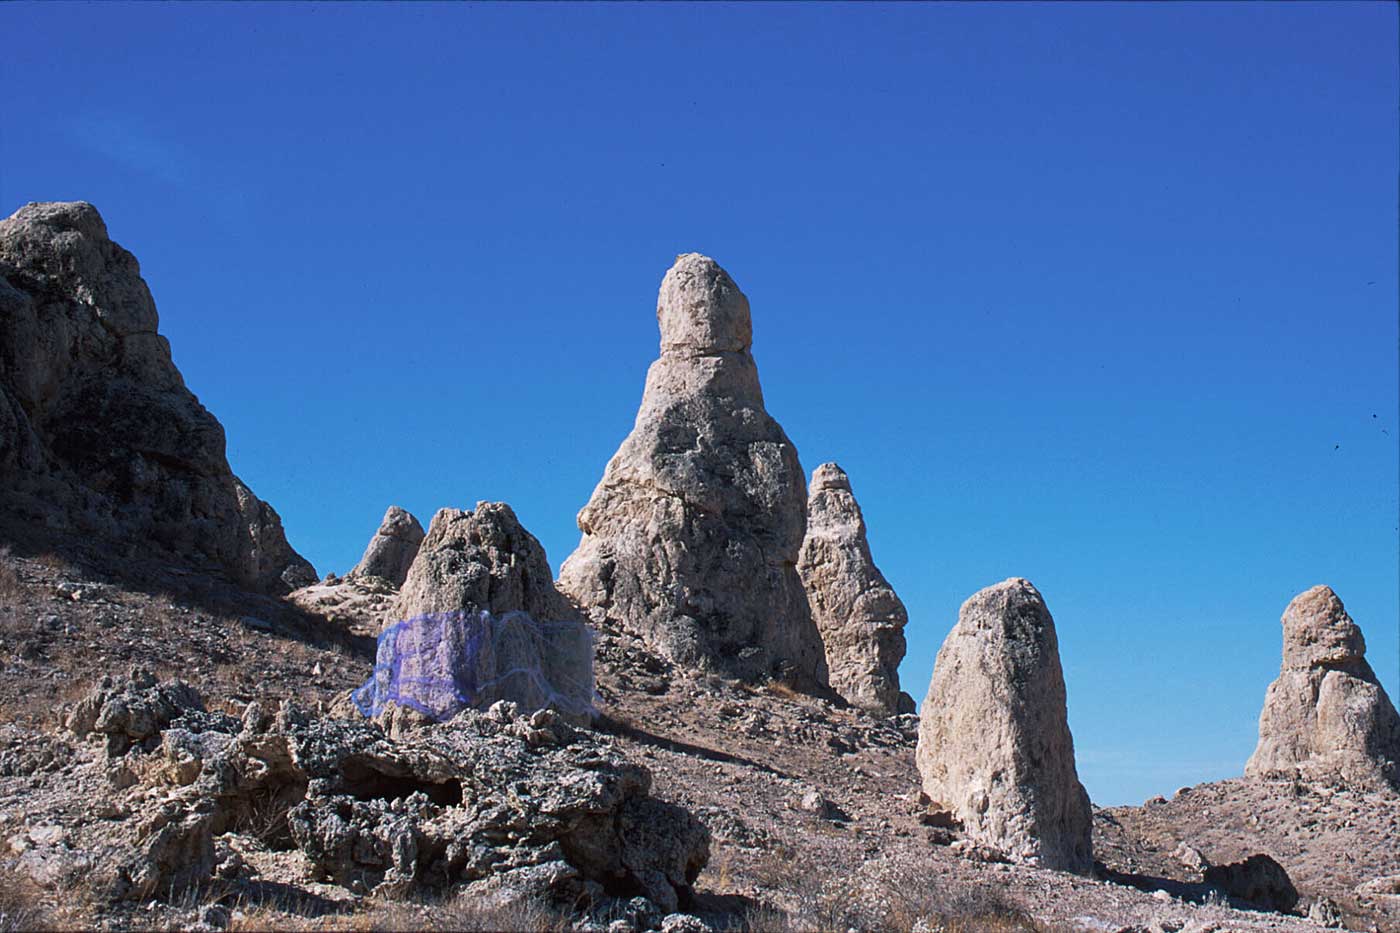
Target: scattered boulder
point(392, 549)
point(481, 560)
point(994, 741)
point(98, 434)
point(1326, 718)
point(860, 618)
point(130, 710)
point(691, 538)
point(1258, 879)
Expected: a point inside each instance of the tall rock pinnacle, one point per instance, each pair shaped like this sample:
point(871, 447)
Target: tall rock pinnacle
point(860, 618)
point(994, 741)
point(1326, 717)
point(691, 538)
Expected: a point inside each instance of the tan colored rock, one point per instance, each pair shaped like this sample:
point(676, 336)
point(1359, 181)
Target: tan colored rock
point(392, 549)
point(481, 560)
point(1326, 717)
point(860, 618)
point(98, 434)
point(994, 740)
point(691, 539)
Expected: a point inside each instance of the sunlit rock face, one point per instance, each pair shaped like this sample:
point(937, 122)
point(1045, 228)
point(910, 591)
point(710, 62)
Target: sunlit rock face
point(691, 538)
point(1326, 717)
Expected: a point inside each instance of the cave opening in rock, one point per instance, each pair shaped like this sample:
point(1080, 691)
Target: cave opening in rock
point(365, 781)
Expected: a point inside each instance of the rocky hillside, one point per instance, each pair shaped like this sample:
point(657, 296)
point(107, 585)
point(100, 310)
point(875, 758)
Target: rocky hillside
point(98, 434)
point(180, 747)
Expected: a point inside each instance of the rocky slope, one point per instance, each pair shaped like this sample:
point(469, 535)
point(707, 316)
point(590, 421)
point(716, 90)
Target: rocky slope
point(98, 433)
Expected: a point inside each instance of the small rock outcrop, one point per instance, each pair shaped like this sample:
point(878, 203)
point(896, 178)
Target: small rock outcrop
point(994, 741)
point(98, 434)
point(1258, 879)
point(1326, 717)
point(691, 538)
point(478, 560)
point(392, 549)
point(860, 618)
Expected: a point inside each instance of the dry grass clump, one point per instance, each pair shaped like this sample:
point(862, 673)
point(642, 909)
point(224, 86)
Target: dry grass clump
point(12, 588)
point(892, 900)
point(460, 912)
point(20, 907)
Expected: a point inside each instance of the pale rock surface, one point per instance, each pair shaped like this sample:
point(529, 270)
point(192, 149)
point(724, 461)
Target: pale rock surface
point(994, 740)
point(392, 549)
point(98, 434)
point(482, 559)
point(691, 538)
point(1326, 717)
point(860, 618)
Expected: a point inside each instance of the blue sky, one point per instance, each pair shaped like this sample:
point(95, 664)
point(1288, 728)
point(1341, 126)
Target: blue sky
point(1102, 295)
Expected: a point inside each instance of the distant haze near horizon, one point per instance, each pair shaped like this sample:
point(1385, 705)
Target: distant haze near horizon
point(1104, 296)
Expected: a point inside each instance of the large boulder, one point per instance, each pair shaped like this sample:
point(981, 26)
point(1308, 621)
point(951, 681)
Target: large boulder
point(860, 618)
point(391, 551)
point(1326, 717)
point(994, 742)
point(691, 538)
point(98, 434)
point(477, 560)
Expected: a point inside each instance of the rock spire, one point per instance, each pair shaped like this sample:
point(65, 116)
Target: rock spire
point(994, 741)
point(691, 538)
point(860, 618)
point(1326, 716)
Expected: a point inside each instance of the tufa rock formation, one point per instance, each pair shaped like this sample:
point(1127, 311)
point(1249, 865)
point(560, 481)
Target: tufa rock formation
point(98, 434)
point(691, 538)
point(491, 799)
point(994, 741)
point(1326, 717)
point(392, 549)
point(481, 560)
point(860, 618)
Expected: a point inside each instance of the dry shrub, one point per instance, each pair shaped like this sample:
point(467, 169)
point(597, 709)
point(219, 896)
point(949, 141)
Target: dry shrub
point(466, 914)
point(12, 588)
point(20, 906)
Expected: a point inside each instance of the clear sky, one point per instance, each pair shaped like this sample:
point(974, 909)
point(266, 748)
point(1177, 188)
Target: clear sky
point(1100, 295)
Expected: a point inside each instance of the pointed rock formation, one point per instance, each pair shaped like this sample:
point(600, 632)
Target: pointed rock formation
point(392, 549)
point(994, 741)
point(98, 434)
point(860, 618)
point(481, 560)
point(1326, 717)
point(691, 538)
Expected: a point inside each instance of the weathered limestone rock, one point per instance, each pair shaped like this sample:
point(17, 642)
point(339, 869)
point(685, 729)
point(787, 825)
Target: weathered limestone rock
point(994, 741)
point(860, 618)
point(1326, 717)
point(490, 797)
point(691, 538)
point(98, 434)
point(481, 560)
point(392, 549)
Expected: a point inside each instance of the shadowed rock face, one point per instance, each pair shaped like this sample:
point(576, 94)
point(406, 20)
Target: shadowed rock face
point(994, 741)
point(691, 538)
point(860, 618)
point(392, 549)
point(1326, 717)
point(98, 433)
